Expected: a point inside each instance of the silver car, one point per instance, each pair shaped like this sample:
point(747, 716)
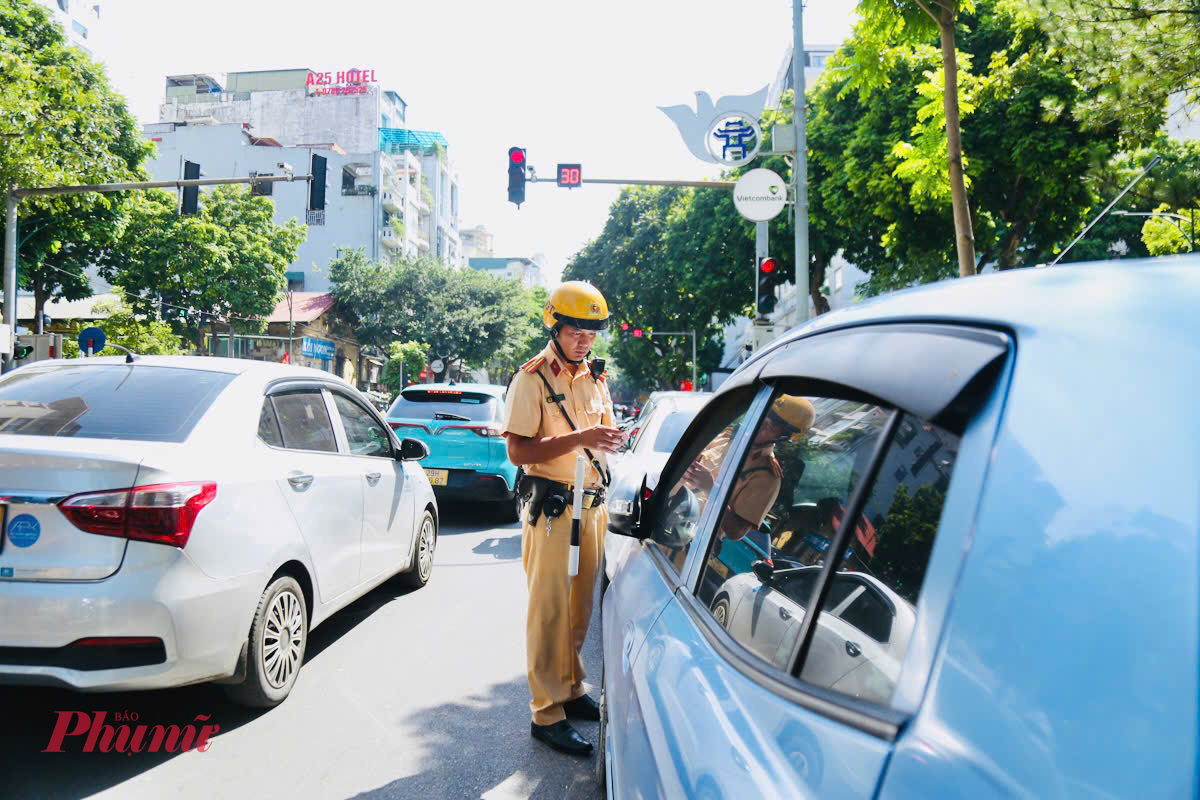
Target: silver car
point(860, 638)
point(652, 437)
point(183, 519)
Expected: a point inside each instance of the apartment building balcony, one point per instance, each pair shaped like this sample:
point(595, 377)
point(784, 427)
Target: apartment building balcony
point(392, 201)
point(391, 239)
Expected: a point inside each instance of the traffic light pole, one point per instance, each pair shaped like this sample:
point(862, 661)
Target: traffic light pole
point(15, 194)
point(636, 182)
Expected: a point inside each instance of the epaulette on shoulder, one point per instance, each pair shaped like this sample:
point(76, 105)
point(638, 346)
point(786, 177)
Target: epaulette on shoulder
point(776, 470)
point(531, 366)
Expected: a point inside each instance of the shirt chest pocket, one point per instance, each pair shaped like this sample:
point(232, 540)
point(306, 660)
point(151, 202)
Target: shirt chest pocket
point(593, 411)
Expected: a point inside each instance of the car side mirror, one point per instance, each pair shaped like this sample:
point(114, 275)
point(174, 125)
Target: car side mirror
point(412, 450)
point(627, 521)
point(763, 571)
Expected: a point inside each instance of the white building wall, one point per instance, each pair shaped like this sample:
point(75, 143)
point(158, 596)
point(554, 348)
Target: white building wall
point(351, 220)
point(81, 22)
point(290, 116)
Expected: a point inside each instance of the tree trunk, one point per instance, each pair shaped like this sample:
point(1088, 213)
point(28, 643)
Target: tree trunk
point(964, 236)
point(820, 301)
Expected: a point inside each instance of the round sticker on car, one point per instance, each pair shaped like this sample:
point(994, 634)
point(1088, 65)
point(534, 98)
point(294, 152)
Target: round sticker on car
point(24, 530)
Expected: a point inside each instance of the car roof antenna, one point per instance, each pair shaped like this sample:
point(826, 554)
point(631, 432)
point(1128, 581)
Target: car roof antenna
point(130, 356)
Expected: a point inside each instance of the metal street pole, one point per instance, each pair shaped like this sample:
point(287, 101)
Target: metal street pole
point(10, 273)
point(15, 193)
point(800, 173)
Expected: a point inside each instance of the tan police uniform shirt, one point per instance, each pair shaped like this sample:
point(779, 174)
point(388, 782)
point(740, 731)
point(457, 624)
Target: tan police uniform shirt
point(529, 412)
point(757, 485)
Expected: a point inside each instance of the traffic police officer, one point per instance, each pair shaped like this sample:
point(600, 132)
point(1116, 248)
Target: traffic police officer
point(558, 406)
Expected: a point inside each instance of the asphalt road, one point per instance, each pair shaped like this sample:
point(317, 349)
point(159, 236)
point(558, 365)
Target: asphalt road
point(404, 694)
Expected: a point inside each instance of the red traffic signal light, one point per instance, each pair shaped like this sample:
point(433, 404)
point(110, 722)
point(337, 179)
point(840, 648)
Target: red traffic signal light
point(685, 386)
point(767, 265)
point(516, 155)
point(624, 326)
point(637, 332)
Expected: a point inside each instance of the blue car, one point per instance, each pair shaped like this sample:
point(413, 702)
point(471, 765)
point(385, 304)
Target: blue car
point(993, 506)
point(461, 423)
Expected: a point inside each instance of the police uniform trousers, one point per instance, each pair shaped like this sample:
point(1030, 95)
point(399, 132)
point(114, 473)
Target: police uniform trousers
point(560, 607)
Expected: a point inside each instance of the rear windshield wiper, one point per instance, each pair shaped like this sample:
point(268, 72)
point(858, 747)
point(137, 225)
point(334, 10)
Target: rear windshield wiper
point(443, 415)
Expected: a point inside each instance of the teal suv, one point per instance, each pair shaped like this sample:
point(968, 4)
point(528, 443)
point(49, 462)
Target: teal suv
point(461, 423)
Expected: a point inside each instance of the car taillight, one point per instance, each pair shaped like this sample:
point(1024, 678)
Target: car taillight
point(163, 513)
point(398, 425)
point(487, 431)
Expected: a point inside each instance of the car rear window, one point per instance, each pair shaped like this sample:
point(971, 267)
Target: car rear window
point(672, 428)
point(108, 401)
point(427, 403)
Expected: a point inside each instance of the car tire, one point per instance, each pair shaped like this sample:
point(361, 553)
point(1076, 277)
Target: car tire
point(422, 567)
point(720, 610)
point(271, 668)
point(601, 750)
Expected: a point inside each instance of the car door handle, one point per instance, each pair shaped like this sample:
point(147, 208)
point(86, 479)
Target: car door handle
point(373, 477)
point(299, 480)
point(853, 650)
point(784, 614)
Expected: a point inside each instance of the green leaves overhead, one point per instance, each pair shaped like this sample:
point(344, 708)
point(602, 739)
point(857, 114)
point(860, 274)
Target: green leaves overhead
point(453, 314)
point(227, 262)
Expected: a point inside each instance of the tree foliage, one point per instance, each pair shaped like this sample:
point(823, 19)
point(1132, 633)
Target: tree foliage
point(405, 362)
point(61, 124)
point(1029, 166)
point(142, 335)
point(1131, 57)
point(886, 32)
point(459, 315)
point(225, 263)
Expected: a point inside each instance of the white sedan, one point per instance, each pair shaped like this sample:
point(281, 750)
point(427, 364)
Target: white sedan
point(182, 519)
point(860, 638)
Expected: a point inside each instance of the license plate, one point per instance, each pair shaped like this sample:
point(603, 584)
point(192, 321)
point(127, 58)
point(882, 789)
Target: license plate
point(437, 477)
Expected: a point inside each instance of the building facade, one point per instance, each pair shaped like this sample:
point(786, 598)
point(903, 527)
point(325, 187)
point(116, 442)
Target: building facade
point(378, 195)
point(527, 271)
point(80, 21)
point(477, 242)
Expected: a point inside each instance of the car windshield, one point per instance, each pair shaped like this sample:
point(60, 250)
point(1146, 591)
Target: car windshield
point(108, 401)
point(428, 403)
point(672, 429)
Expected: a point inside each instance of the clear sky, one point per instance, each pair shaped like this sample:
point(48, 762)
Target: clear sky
point(569, 81)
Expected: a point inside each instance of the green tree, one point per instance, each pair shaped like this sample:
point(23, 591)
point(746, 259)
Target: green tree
point(144, 336)
point(1165, 234)
point(405, 362)
point(225, 263)
point(1030, 165)
point(61, 123)
point(887, 29)
point(1130, 57)
point(463, 316)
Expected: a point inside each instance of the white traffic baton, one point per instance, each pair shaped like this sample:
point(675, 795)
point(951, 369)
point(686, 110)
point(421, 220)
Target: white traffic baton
point(576, 517)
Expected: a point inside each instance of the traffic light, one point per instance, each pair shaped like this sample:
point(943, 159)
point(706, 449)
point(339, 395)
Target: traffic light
point(624, 328)
point(22, 351)
point(516, 175)
point(685, 386)
point(191, 194)
point(316, 188)
point(637, 333)
point(765, 291)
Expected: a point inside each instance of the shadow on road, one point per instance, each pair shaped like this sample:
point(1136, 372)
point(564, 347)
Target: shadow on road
point(507, 548)
point(480, 747)
point(457, 517)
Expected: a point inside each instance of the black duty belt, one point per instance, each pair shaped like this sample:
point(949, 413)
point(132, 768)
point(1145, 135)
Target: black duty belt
point(552, 498)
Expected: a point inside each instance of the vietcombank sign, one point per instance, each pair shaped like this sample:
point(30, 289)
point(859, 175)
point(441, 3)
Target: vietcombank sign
point(760, 195)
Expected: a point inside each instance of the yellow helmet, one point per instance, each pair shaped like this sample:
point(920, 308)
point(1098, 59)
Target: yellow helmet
point(793, 411)
point(576, 303)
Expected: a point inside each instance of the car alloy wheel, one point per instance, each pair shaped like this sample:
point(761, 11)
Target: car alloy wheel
point(425, 549)
point(720, 611)
point(283, 639)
